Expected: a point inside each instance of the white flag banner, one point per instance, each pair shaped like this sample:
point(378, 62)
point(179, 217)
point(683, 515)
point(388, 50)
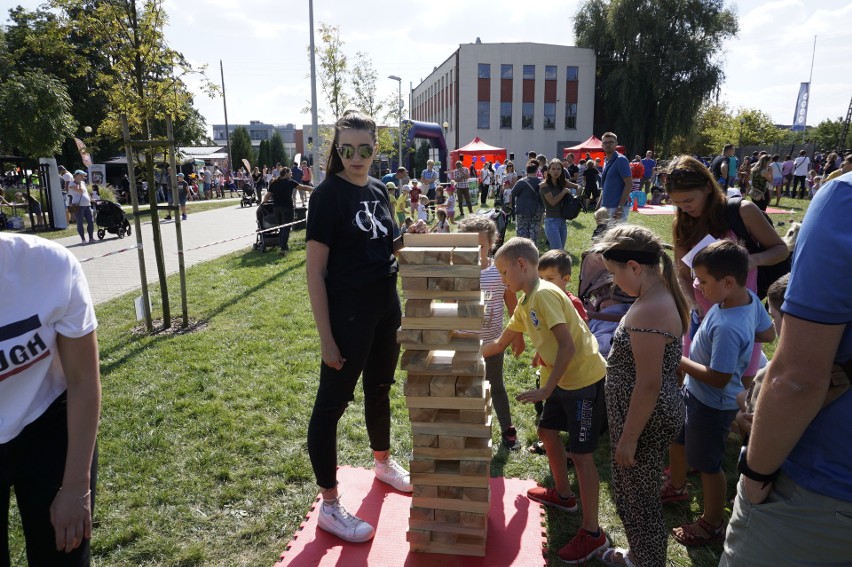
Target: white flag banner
point(801, 117)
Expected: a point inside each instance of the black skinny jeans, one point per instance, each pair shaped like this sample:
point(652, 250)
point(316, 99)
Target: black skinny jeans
point(363, 323)
point(464, 195)
point(34, 463)
point(283, 215)
point(797, 181)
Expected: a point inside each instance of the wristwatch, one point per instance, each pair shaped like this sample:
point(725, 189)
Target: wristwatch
point(743, 469)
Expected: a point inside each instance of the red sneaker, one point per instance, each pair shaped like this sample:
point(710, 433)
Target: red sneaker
point(549, 497)
point(583, 547)
point(668, 493)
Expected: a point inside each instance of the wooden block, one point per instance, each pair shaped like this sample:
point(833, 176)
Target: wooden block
point(420, 537)
point(449, 527)
point(409, 336)
point(446, 416)
point(438, 271)
point(451, 442)
point(481, 454)
point(444, 386)
point(465, 416)
point(453, 429)
point(441, 284)
point(426, 491)
point(453, 492)
point(418, 386)
point(468, 363)
point(422, 465)
point(439, 294)
point(452, 239)
point(424, 441)
point(444, 537)
point(449, 549)
point(415, 360)
point(422, 514)
point(418, 308)
point(473, 468)
point(475, 443)
point(438, 255)
point(472, 519)
point(471, 309)
point(465, 255)
point(476, 405)
point(450, 504)
point(436, 337)
point(411, 255)
point(464, 284)
point(415, 284)
point(469, 386)
point(435, 479)
point(443, 323)
point(447, 467)
point(456, 345)
point(476, 494)
point(422, 415)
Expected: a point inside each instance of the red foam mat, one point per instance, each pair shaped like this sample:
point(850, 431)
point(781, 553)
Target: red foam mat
point(515, 534)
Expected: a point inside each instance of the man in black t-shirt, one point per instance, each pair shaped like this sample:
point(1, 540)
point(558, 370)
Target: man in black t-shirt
point(571, 169)
point(719, 166)
point(281, 193)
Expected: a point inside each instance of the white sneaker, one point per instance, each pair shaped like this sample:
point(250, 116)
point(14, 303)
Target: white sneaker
point(392, 473)
point(334, 519)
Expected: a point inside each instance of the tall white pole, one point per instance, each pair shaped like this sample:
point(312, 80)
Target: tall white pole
point(399, 116)
point(314, 117)
point(810, 78)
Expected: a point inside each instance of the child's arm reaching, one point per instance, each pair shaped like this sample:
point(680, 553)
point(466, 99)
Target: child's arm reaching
point(765, 336)
point(500, 344)
point(564, 352)
point(518, 344)
point(704, 373)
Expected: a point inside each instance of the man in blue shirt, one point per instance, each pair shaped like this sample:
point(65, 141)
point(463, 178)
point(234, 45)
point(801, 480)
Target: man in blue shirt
point(615, 180)
point(798, 466)
point(648, 174)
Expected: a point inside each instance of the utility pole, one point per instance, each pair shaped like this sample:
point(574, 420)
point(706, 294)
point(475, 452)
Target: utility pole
point(225, 104)
point(314, 117)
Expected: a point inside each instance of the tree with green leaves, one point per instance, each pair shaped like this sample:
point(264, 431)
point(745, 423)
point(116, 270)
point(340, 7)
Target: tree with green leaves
point(263, 155)
point(364, 77)
point(277, 154)
point(241, 147)
point(657, 62)
point(35, 114)
point(333, 69)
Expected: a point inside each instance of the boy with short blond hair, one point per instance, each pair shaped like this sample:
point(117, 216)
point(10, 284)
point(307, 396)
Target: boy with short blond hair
point(573, 371)
point(718, 356)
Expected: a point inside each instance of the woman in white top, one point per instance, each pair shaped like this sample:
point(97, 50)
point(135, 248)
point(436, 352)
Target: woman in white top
point(78, 195)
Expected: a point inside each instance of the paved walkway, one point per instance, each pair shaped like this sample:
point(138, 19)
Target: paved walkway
point(118, 274)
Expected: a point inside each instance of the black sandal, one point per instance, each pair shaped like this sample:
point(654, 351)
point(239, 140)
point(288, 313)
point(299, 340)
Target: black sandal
point(537, 448)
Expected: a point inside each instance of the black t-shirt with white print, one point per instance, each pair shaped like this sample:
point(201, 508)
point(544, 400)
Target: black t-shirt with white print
point(357, 226)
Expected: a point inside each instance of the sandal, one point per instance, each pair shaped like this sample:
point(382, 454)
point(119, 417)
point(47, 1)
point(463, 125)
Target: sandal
point(690, 534)
point(537, 448)
point(615, 557)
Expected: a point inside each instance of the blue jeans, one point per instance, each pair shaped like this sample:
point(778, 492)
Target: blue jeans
point(556, 231)
point(625, 212)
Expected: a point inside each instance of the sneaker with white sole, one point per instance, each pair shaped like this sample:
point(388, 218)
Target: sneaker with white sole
point(334, 519)
point(392, 473)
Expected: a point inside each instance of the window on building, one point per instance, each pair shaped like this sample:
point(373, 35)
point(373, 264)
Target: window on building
point(484, 70)
point(505, 71)
point(483, 114)
point(529, 71)
point(550, 72)
point(505, 115)
point(549, 115)
point(571, 116)
point(572, 74)
point(527, 115)
point(259, 135)
point(218, 135)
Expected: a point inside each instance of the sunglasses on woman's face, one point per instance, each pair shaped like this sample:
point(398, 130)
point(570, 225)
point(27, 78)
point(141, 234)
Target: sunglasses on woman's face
point(347, 151)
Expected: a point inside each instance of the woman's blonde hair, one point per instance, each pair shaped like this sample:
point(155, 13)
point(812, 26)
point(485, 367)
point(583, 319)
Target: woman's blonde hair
point(632, 238)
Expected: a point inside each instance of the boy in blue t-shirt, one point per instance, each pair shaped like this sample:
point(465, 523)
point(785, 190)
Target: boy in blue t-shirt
point(718, 356)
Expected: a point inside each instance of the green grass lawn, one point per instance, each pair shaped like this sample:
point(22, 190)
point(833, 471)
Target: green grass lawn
point(203, 456)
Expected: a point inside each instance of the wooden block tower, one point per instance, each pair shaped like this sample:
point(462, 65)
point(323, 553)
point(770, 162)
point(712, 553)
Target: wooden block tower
point(448, 398)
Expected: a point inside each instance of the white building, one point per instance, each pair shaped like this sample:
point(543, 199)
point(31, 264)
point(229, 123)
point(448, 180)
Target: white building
point(518, 96)
point(259, 131)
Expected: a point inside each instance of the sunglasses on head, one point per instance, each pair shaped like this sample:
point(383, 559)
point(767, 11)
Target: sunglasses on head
point(347, 151)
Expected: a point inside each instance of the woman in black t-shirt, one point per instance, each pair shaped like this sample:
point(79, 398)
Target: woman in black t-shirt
point(352, 286)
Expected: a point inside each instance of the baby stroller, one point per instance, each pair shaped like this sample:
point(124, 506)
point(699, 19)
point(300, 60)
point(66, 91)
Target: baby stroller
point(501, 215)
point(249, 196)
point(111, 218)
point(265, 220)
point(605, 302)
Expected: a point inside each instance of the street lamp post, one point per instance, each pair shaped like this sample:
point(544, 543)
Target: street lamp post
point(399, 118)
point(742, 123)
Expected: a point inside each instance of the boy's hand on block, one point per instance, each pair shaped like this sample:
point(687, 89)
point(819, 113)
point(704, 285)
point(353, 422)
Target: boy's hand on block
point(419, 227)
point(532, 396)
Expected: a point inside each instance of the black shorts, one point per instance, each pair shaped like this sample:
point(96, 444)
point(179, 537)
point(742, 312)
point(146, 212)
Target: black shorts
point(579, 412)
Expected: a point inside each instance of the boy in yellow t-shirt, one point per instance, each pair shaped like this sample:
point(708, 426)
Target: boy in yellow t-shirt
point(573, 375)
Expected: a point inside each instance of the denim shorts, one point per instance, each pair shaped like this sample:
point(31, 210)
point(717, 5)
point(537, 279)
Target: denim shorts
point(579, 412)
point(705, 434)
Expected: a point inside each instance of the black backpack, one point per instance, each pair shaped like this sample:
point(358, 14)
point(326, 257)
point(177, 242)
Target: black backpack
point(766, 275)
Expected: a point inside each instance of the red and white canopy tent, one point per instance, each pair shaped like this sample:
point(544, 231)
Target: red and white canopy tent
point(477, 153)
point(592, 146)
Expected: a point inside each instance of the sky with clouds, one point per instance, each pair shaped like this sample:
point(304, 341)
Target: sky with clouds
point(263, 47)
